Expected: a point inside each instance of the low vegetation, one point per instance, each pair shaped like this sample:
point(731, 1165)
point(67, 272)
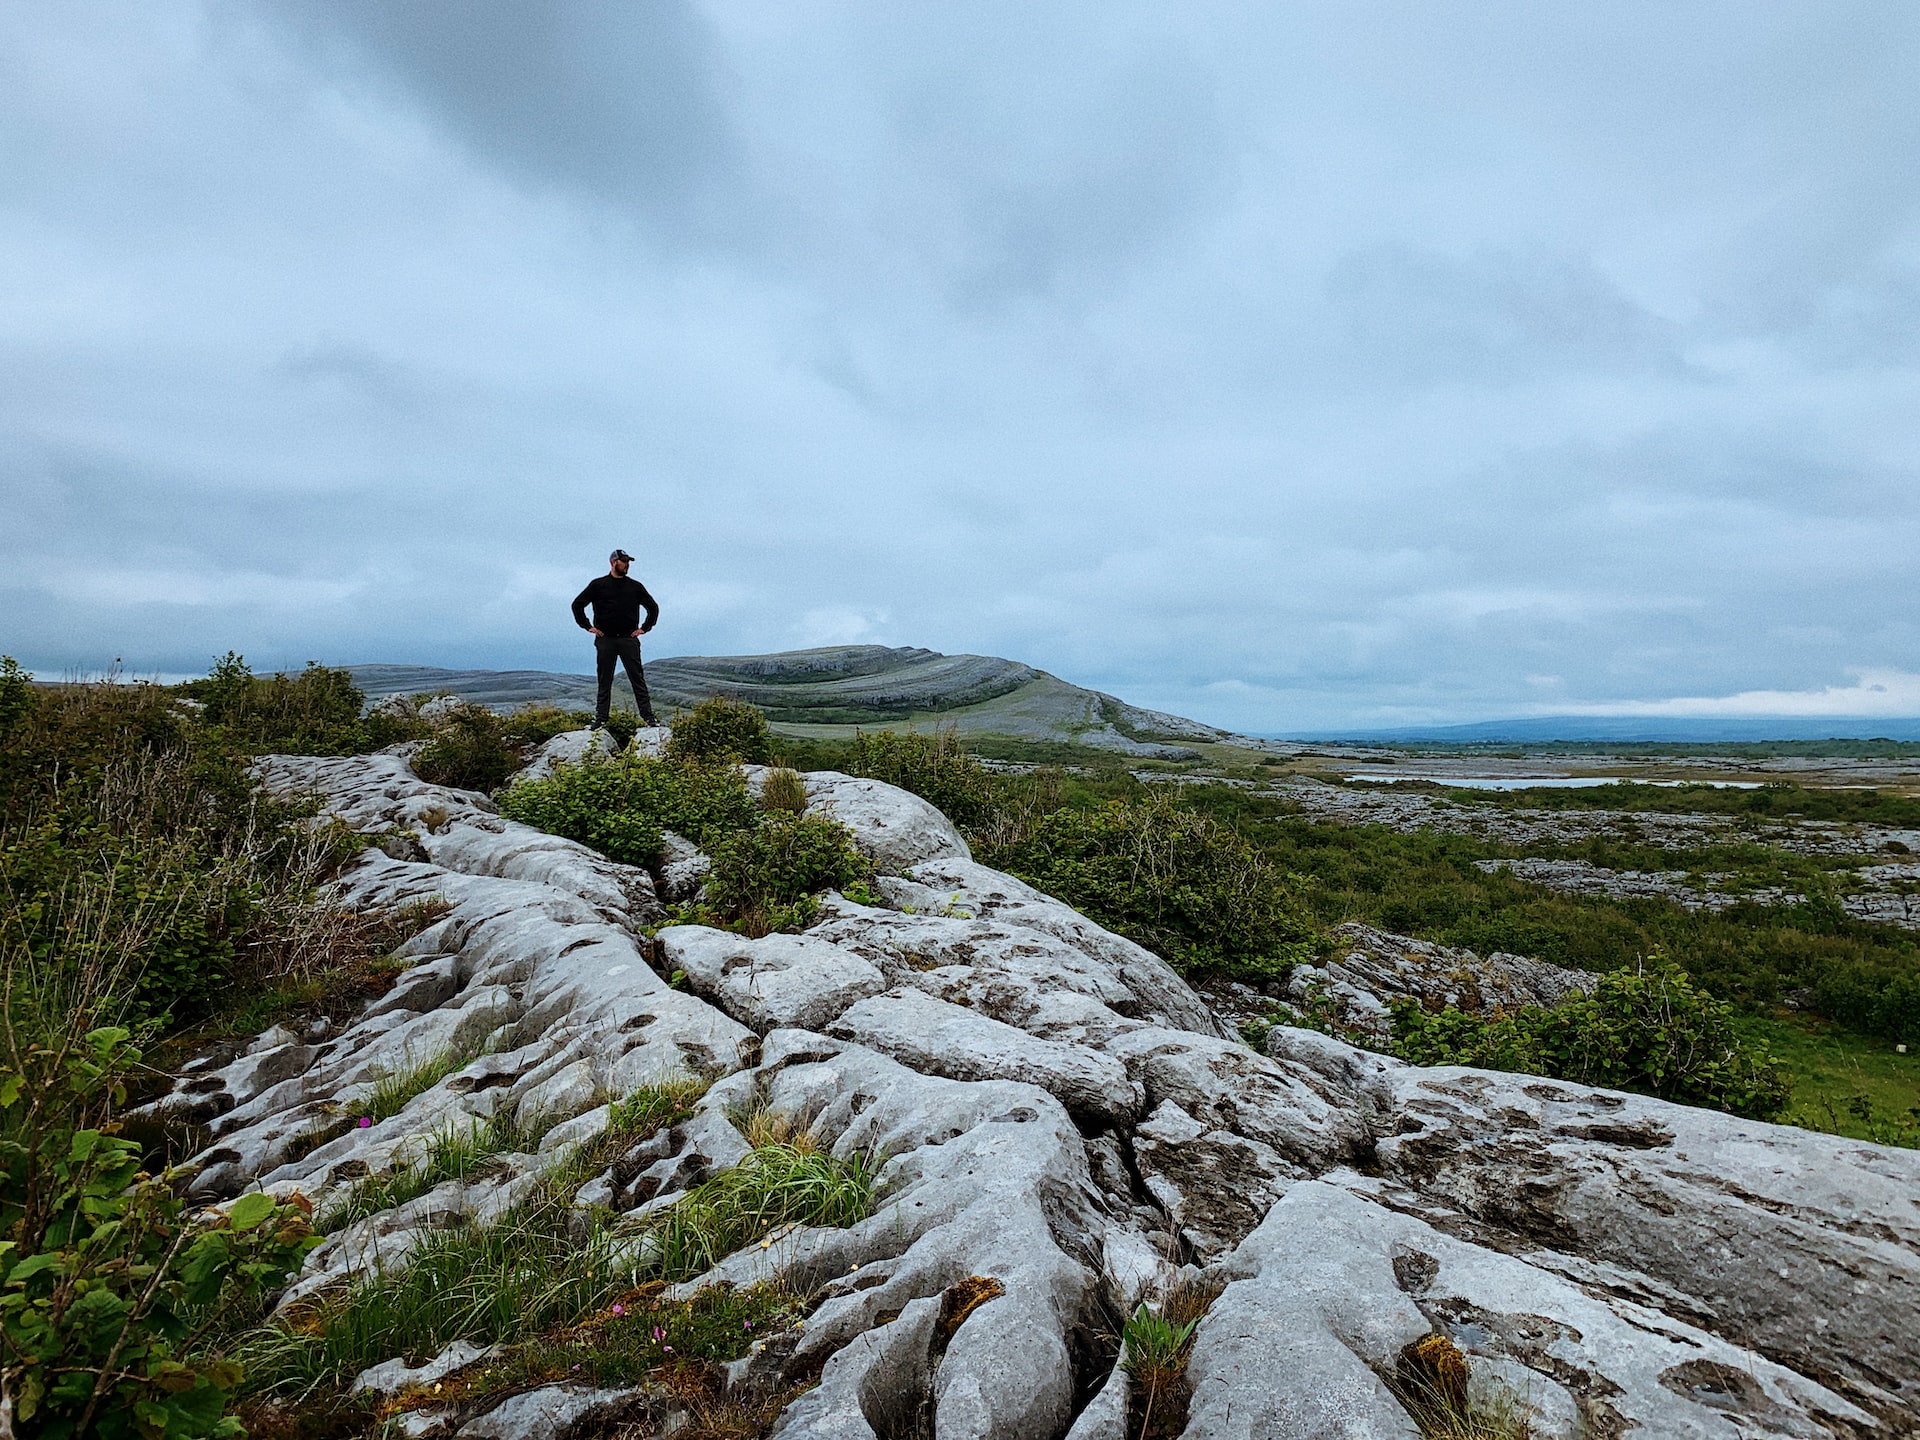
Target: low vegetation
point(1431, 1382)
point(1155, 1345)
point(1649, 1029)
point(620, 806)
point(719, 729)
point(770, 858)
point(1234, 884)
point(563, 1305)
point(116, 1306)
point(1776, 801)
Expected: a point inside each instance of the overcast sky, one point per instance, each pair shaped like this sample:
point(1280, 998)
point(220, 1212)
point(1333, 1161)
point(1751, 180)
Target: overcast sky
point(1284, 366)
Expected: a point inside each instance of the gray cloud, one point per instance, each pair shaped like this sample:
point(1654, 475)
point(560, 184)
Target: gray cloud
point(1288, 368)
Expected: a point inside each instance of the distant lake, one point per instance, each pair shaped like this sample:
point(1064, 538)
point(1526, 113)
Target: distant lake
point(1542, 782)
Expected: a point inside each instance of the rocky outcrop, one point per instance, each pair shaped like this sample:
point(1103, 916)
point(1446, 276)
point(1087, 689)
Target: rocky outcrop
point(1063, 1131)
point(1370, 968)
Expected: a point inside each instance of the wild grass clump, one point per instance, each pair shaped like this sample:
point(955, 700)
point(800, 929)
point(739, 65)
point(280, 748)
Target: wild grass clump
point(453, 1153)
point(1430, 1382)
point(393, 1090)
point(778, 1184)
point(619, 806)
point(1156, 1344)
point(784, 790)
point(1650, 1030)
point(719, 729)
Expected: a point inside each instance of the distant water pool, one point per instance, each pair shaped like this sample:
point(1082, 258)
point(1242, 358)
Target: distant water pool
point(1541, 782)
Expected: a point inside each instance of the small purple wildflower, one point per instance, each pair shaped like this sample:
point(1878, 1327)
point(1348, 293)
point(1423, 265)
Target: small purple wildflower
point(364, 1121)
point(619, 1310)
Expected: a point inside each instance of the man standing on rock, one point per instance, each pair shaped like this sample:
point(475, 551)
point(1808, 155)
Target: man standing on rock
point(616, 631)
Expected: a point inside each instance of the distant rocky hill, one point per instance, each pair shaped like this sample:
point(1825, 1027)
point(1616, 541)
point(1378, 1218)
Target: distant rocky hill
point(843, 685)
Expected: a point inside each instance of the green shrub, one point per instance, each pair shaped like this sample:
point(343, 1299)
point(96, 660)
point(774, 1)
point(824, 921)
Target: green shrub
point(130, 828)
point(316, 712)
point(112, 1299)
point(1649, 1030)
point(16, 694)
point(764, 879)
point(1179, 882)
point(533, 724)
point(935, 767)
point(619, 806)
point(469, 751)
point(721, 729)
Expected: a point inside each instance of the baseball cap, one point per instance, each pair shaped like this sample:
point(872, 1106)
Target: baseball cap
point(619, 555)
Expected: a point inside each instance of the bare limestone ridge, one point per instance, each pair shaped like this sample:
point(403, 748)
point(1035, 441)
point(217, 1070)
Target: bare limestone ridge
point(845, 685)
point(1063, 1129)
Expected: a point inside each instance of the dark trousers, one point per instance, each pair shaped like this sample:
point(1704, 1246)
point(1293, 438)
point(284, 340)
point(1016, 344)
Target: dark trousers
point(625, 649)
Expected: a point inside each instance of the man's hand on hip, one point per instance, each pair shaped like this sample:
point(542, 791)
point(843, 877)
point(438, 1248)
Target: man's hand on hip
point(593, 629)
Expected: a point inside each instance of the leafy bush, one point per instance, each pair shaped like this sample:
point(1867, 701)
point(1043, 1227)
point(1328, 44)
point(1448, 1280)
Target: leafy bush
point(1649, 1030)
point(1175, 880)
point(764, 879)
point(935, 767)
point(721, 729)
point(110, 1296)
point(469, 751)
point(316, 712)
point(16, 694)
point(130, 829)
point(620, 806)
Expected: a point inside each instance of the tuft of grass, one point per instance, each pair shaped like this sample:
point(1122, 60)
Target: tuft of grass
point(1430, 1383)
point(452, 1154)
point(778, 1184)
point(394, 1090)
point(1156, 1347)
point(784, 790)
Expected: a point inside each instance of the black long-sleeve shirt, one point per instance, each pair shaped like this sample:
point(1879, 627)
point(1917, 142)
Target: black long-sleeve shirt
point(616, 601)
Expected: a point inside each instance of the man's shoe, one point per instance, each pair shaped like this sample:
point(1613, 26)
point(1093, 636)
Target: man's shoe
point(650, 722)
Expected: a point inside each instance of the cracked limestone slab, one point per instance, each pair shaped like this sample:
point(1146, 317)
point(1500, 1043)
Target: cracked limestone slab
point(790, 981)
point(1331, 1288)
point(957, 884)
point(894, 828)
point(985, 1178)
point(937, 1038)
point(1805, 1246)
point(1025, 977)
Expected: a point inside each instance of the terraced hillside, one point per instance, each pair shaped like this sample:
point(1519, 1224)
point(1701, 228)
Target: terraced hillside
point(843, 685)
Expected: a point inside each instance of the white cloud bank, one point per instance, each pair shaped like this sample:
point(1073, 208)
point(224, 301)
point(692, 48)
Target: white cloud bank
point(1874, 693)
